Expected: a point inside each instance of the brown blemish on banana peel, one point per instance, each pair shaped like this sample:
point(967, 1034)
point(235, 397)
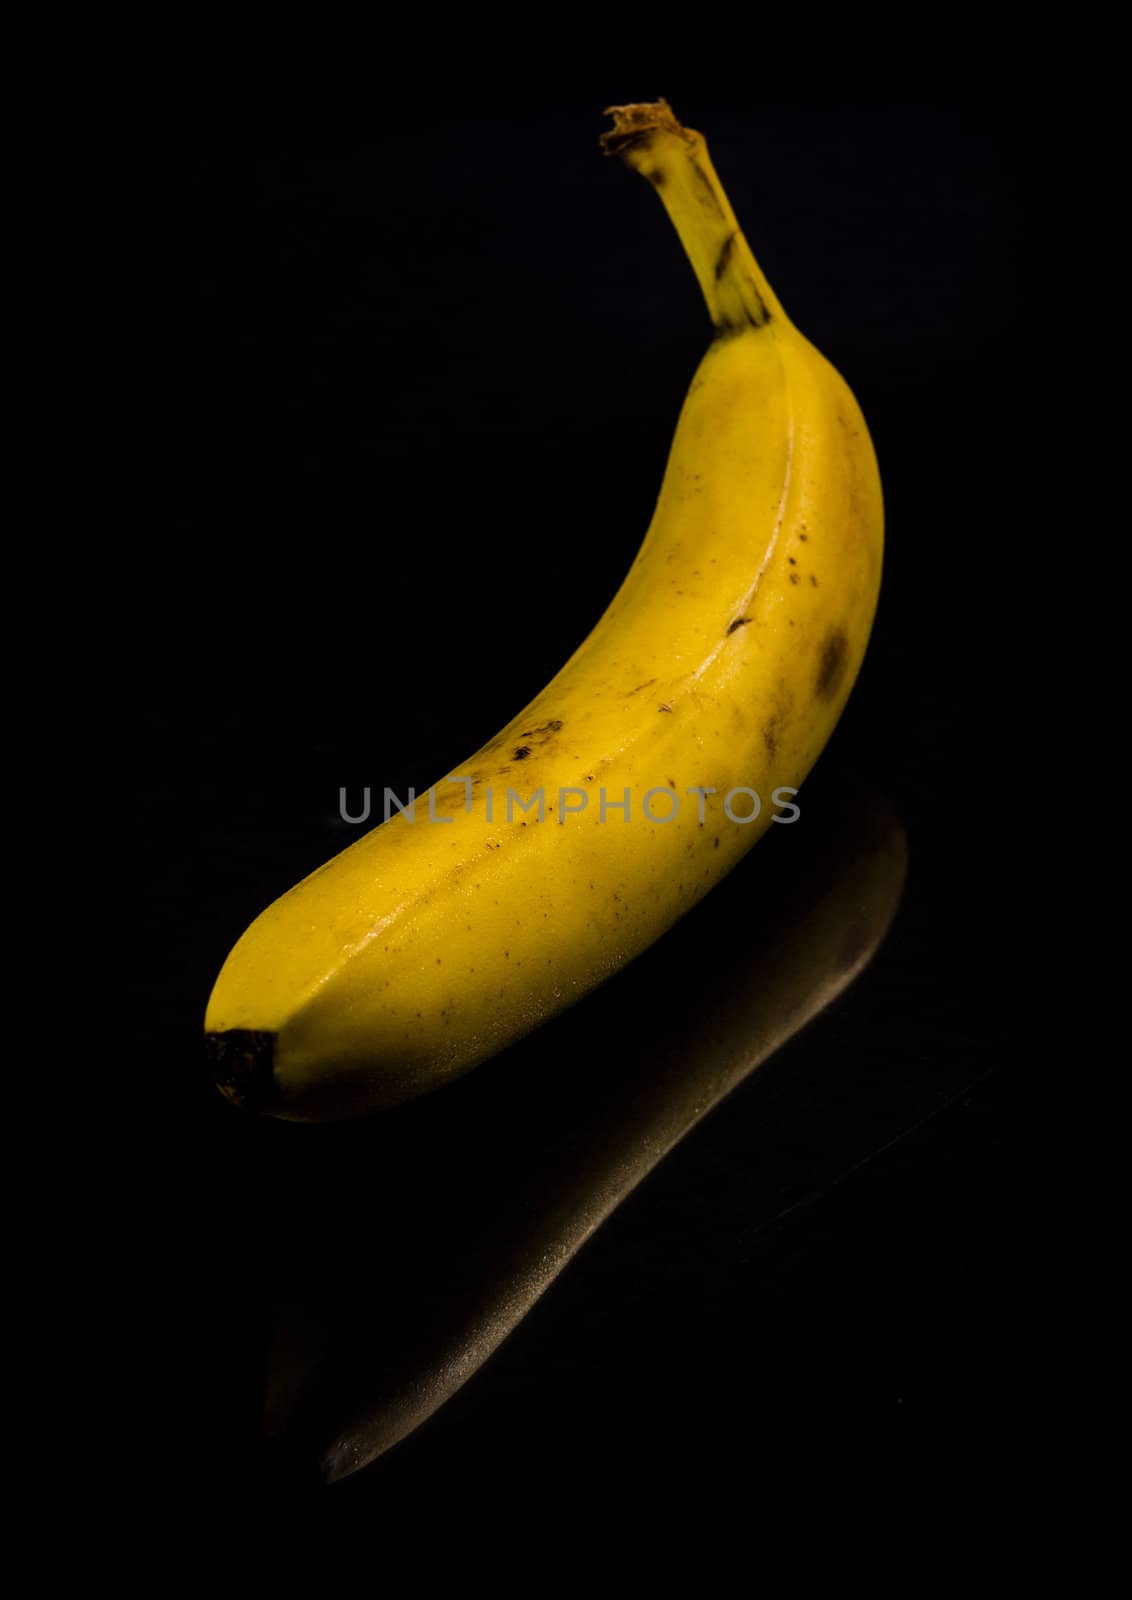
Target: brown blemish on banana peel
point(831, 665)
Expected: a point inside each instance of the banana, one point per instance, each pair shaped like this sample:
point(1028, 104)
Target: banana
point(649, 765)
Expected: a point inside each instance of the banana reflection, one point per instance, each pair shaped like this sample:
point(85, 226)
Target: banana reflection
point(424, 1237)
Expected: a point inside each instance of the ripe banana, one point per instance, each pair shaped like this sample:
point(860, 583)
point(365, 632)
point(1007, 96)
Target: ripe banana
point(720, 666)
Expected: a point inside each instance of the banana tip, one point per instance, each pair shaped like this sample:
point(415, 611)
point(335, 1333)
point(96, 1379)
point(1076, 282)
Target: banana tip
point(243, 1065)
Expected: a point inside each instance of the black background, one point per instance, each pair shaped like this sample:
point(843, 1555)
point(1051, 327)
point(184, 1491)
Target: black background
point(401, 380)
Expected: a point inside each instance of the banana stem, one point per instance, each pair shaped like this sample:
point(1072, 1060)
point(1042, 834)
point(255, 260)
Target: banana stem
point(675, 160)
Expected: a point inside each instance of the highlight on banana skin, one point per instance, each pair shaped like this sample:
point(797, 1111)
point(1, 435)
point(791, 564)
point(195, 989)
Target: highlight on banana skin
point(679, 731)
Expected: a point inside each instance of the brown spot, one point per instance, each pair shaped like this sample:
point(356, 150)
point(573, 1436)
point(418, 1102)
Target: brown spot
point(831, 666)
point(243, 1065)
point(717, 841)
point(793, 577)
point(703, 183)
point(617, 140)
point(740, 622)
point(640, 686)
point(813, 580)
point(760, 316)
point(770, 736)
point(522, 752)
point(672, 783)
point(791, 560)
point(664, 706)
point(724, 256)
point(803, 537)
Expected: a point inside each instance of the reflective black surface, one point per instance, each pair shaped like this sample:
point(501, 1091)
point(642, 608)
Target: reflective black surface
point(400, 397)
point(498, 1183)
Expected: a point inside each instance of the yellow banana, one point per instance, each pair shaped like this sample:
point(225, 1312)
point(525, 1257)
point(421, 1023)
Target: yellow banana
point(716, 674)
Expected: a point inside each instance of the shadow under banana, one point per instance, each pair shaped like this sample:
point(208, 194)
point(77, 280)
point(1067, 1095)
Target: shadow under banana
point(417, 1241)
